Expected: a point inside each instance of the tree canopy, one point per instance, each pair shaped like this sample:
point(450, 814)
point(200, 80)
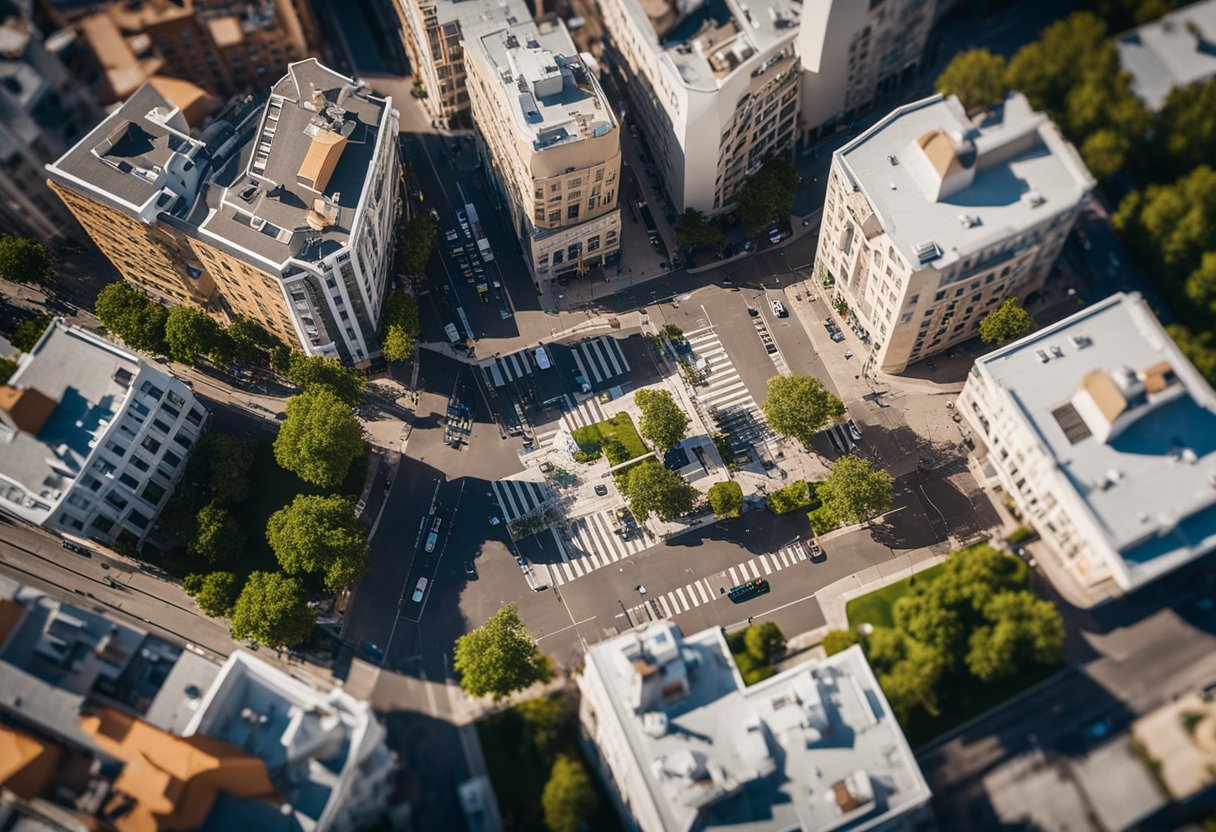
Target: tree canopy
point(23, 260)
point(768, 195)
point(320, 534)
point(215, 592)
point(271, 610)
point(693, 231)
point(309, 372)
point(977, 77)
point(130, 315)
point(799, 407)
point(726, 498)
point(319, 439)
point(228, 458)
point(191, 333)
point(1008, 322)
point(653, 489)
point(764, 640)
point(217, 537)
point(569, 799)
point(400, 326)
point(500, 657)
point(27, 333)
point(664, 424)
point(416, 242)
point(855, 491)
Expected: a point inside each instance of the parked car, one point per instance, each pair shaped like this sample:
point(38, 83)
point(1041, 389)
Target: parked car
point(433, 537)
point(854, 431)
point(462, 216)
point(601, 490)
point(830, 326)
point(419, 590)
point(813, 550)
point(778, 308)
point(753, 311)
point(774, 234)
point(838, 336)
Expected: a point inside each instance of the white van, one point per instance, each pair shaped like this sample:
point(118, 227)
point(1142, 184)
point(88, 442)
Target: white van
point(542, 359)
point(452, 333)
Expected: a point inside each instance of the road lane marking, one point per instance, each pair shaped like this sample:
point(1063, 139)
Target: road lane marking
point(663, 604)
point(764, 562)
point(734, 579)
point(567, 627)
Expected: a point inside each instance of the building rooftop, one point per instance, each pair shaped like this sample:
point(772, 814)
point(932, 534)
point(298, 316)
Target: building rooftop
point(295, 189)
point(552, 97)
point(815, 747)
point(943, 187)
point(55, 408)
point(1131, 425)
point(1177, 50)
point(475, 17)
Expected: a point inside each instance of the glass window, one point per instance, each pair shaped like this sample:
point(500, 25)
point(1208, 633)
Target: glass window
point(182, 439)
point(172, 459)
point(129, 481)
point(160, 425)
point(151, 445)
point(137, 519)
point(139, 463)
point(195, 416)
point(151, 389)
point(102, 523)
point(117, 500)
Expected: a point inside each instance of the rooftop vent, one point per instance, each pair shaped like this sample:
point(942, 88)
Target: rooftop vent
point(968, 220)
point(1033, 199)
point(654, 723)
point(1057, 351)
point(1080, 341)
point(893, 160)
point(928, 250)
point(1042, 356)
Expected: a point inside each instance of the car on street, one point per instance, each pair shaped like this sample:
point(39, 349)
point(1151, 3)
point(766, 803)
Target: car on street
point(813, 549)
point(752, 311)
point(1097, 730)
point(461, 215)
point(853, 431)
point(778, 308)
point(774, 235)
point(419, 590)
point(601, 490)
point(76, 548)
point(470, 569)
point(433, 537)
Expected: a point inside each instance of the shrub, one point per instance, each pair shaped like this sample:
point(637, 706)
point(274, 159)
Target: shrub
point(823, 520)
point(1021, 534)
point(837, 641)
point(796, 495)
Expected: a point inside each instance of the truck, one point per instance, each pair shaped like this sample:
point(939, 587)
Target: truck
point(479, 234)
point(652, 230)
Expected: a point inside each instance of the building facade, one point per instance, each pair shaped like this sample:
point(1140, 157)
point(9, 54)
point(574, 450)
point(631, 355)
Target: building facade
point(713, 87)
point(283, 212)
point(932, 220)
point(853, 51)
point(436, 33)
point(682, 743)
point(551, 144)
point(93, 439)
point(1100, 430)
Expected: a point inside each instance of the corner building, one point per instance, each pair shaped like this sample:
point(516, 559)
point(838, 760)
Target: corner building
point(932, 220)
point(552, 145)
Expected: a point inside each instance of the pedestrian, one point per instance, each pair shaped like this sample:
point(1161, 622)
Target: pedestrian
point(750, 619)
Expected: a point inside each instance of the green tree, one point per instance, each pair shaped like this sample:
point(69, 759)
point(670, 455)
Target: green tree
point(229, 458)
point(417, 242)
point(1201, 284)
point(249, 342)
point(768, 195)
point(856, 491)
point(550, 719)
point(27, 333)
point(1068, 51)
point(217, 536)
point(799, 407)
point(693, 231)
point(726, 498)
point(319, 439)
point(316, 533)
point(309, 372)
point(1186, 130)
point(1008, 322)
point(663, 422)
point(1021, 630)
point(1105, 152)
point(763, 641)
point(129, 314)
point(569, 800)
point(977, 77)
point(400, 326)
point(215, 592)
point(23, 260)
point(653, 489)
point(500, 657)
point(191, 333)
point(1199, 347)
point(7, 367)
point(837, 641)
point(271, 610)
point(914, 682)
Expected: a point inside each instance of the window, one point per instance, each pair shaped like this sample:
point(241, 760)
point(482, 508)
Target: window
point(939, 296)
point(150, 445)
point(572, 212)
point(103, 524)
point(151, 389)
point(594, 243)
point(555, 216)
point(91, 483)
point(195, 416)
point(129, 481)
point(176, 400)
point(139, 463)
point(117, 449)
point(117, 500)
point(160, 425)
point(183, 440)
point(170, 411)
point(137, 519)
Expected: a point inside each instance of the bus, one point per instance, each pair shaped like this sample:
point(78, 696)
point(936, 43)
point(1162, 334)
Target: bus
point(747, 591)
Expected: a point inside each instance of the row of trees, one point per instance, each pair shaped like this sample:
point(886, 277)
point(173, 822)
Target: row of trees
point(27, 261)
point(767, 196)
point(974, 621)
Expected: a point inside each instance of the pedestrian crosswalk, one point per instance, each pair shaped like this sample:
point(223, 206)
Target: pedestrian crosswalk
point(518, 498)
point(583, 413)
point(508, 368)
point(705, 590)
point(724, 396)
point(600, 360)
point(591, 544)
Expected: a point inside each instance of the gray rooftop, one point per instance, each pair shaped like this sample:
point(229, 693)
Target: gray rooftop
point(932, 175)
point(181, 692)
point(815, 747)
point(1135, 437)
point(257, 202)
point(89, 378)
point(551, 96)
point(475, 16)
point(1166, 53)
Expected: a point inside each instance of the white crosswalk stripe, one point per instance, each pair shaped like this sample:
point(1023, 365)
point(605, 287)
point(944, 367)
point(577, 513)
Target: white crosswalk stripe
point(593, 545)
point(768, 570)
point(734, 579)
point(725, 396)
point(582, 413)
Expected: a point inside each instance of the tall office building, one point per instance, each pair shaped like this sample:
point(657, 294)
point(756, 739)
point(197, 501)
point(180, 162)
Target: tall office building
point(931, 220)
point(283, 214)
point(552, 144)
point(436, 33)
point(93, 438)
point(713, 85)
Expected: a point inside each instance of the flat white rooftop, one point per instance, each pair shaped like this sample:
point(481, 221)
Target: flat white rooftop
point(1131, 425)
point(934, 176)
point(1175, 51)
point(815, 747)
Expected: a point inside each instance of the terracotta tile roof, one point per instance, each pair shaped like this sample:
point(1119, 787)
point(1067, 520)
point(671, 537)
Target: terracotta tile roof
point(26, 408)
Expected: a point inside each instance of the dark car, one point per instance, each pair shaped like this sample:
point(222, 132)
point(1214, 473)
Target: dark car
point(601, 490)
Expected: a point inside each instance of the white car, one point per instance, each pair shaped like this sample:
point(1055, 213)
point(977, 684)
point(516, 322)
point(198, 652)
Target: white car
point(419, 590)
point(778, 308)
point(774, 235)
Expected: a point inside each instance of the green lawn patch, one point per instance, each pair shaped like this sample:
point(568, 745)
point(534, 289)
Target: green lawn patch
point(518, 761)
point(876, 607)
point(615, 438)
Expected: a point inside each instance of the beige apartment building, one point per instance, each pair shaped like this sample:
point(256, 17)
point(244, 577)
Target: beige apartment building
point(282, 212)
point(551, 143)
point(435, 33)
point(713, 86)
point(932, 219)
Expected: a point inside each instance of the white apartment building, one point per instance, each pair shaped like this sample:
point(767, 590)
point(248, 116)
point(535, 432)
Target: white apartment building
point(93, 438)
point(852, 50)
point(436, 33)
point(714, 86)
point(1171, 52)
point(682, 744)
point(931, 220)
point(1104, 435)
point(551, 144)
